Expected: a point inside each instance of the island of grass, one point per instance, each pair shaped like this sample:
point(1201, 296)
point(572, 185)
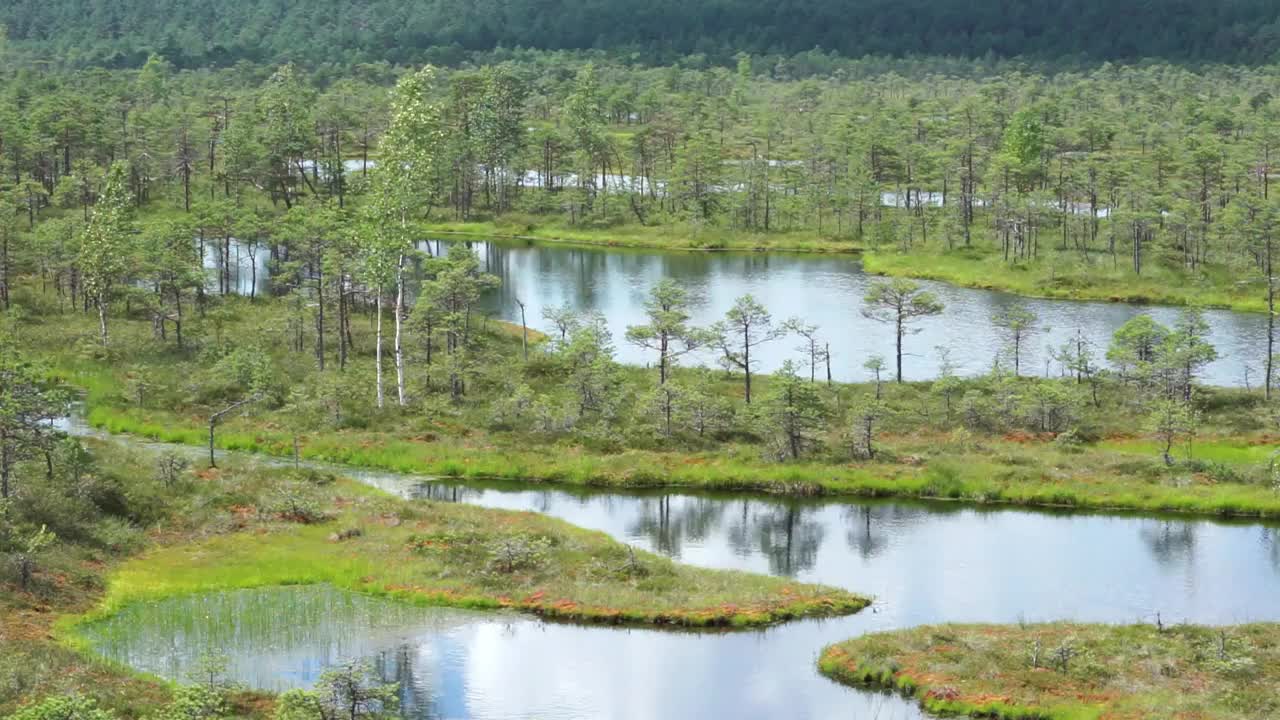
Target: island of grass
point(309, 528)
point(544, 229)
point(1215, 286)
point(1065, 671)
point(128, 534)
point(978, 266)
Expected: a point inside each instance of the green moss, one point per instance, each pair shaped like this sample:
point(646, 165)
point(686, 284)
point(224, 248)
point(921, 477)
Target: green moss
point(1074, 281)
point(1094, 485)
point(444, 554)
point(1018, 672)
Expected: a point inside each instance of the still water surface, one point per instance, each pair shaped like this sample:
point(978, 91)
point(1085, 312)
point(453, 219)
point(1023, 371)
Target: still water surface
point(925, 563)
point(825, 290)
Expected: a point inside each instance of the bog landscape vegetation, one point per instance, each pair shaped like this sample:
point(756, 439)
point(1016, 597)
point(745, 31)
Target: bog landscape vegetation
point(302, 304)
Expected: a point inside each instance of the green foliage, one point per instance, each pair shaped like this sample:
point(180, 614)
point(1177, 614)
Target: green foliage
point(1171, 420)
point(899, 302)
point(793, 412)
point(63, 707)
point(1017, 323)
point(29, 402)
point(746, 326)
point(1136, 343)
point(1024, 144)
point(123, 33)
point(520, 552)
point(194, 702)
point(1067, 671)
point(668, 331)
point(103, 257)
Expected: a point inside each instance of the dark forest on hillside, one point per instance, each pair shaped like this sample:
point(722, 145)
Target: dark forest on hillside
point(210, 32)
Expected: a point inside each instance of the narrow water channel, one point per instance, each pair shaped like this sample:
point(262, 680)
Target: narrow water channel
point(925, 563)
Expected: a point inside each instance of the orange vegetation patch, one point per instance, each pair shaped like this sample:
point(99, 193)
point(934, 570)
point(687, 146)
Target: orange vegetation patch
point(1026, 438)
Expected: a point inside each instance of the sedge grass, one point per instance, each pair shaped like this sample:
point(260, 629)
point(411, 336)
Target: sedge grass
point(1019, 672)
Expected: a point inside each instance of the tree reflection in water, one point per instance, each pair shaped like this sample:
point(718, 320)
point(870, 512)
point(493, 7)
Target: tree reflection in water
point(865, 537)
point(784, 532)
point(667, 528)
point(1170, 541)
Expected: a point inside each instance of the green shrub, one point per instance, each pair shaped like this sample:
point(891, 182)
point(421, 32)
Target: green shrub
point(63, 707)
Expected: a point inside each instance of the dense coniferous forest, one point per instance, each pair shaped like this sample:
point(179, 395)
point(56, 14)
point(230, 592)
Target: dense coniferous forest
point(122, 32)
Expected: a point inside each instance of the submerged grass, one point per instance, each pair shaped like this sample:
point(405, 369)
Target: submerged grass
point(1066, 671)
point(248, 526)
point(465, 556)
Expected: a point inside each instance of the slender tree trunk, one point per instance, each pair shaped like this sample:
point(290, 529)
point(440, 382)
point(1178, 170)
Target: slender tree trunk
point(212, 424)
point(524, 332)
point(320, 316)
point(102, 318)
point(177, 323)
point(399, 351)
point(899, 347)
point(1271, 321)
point(377, 350)
point(5, 469)
point(4, 269)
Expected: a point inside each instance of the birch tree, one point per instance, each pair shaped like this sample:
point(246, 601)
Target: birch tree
point(409, 155)
point(105, 241)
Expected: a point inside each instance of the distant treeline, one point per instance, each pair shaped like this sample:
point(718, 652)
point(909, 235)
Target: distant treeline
point(196, 33)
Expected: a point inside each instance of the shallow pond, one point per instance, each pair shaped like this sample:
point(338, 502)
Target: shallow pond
point(925, 563)
point(825, 290)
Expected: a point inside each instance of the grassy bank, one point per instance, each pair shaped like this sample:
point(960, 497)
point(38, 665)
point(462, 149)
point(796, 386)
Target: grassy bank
point(980, 440)
point(662, 237)
point(246, 526)
point(1110, 476)
point(358, 538)
point(1216, 287)
point(984, 268)
point(1065, 671)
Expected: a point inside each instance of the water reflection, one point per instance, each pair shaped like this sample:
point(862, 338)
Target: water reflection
point(1171, 543)
point(459, 664)
point(825, 290)
point(667, 529)
point(937, 561)
point(782, 534)
point(864, 537)
point(924, 562)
